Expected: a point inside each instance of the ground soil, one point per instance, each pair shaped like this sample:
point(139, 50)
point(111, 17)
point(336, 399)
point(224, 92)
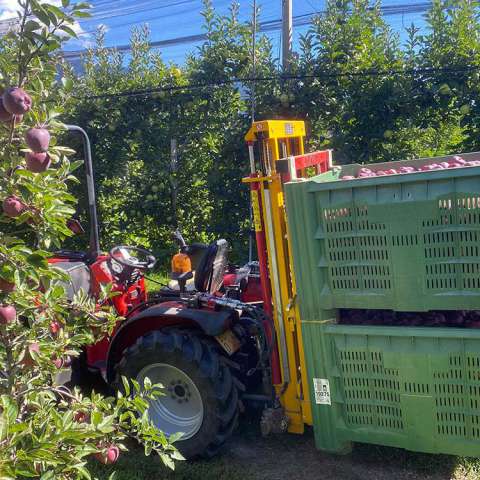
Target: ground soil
point(294, 457)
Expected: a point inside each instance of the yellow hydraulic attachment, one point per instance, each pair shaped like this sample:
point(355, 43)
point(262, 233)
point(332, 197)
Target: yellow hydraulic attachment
point(276, 154)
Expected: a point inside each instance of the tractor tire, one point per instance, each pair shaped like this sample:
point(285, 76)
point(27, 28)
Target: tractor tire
point(201, 398)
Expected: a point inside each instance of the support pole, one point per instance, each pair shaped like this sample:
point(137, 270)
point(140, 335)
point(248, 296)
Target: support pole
point(252, 91)
point(254, 56)
point(286, 34)
point(94, 249)
point(173, 177)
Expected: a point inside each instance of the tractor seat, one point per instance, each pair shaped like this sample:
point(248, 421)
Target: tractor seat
point(208, 274)
point(79, 277)
point(210, 271)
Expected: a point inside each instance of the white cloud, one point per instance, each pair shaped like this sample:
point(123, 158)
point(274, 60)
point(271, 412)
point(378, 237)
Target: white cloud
point(9, 9)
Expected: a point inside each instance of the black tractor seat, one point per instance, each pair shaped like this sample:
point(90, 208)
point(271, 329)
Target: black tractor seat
point(208, 273)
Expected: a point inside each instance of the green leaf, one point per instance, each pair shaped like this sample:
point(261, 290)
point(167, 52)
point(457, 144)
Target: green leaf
point(174, 437)
point(70, 31)
point(83, 6)
point(176, 455)
point(32, 25)
point(37, 260)
point(167, 461)
point(147, 384)
point(42, 15)
point(126, 385)
point(97, 418)
point(81, 14)
point(48, 475)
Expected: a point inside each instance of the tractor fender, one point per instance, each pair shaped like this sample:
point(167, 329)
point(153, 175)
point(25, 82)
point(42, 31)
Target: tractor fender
point(166, 314)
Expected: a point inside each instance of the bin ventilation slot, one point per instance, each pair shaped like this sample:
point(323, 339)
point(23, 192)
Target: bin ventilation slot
point(416, 388)
point(364, 248)
point(371, 391)
point(404, 240)
point(451, 246)
point(357, 250)
point(373, 394)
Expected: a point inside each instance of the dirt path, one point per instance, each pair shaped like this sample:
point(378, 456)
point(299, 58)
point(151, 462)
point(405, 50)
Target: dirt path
point(292, 457)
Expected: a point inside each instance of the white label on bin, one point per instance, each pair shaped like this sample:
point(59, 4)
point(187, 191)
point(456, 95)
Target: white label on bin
point(321, 387)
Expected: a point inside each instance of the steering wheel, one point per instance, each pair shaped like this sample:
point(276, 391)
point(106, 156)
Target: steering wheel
point(122, 254)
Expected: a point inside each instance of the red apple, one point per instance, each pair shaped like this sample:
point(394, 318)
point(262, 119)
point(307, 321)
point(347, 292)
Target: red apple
point(6, 286)
point(28, 361)
point(109, 455)
point(55, 327)
point(81, 417)
point(16, 101)
point(62, 362)
point(37, 162)
point(4, 115)
point(13, 206)
point(8, 314)
point(7, 116)
point(58, 362)
point(38, 139)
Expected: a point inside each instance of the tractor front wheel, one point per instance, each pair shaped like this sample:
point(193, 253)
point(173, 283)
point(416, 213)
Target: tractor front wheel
point(200, 398)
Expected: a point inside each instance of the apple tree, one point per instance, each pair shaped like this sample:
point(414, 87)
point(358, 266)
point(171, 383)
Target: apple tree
point(48, 431)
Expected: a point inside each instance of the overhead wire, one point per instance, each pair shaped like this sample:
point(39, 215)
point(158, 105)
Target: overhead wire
point(266, 26)
point(135, 10)
point(145, 21)
point(240, 80)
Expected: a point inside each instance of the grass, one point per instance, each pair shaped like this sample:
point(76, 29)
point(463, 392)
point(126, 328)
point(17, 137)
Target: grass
point(135, 466)
point(293, 457)
point(153, 279)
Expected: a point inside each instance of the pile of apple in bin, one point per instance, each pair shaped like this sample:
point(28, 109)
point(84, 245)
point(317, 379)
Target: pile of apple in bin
point(434, 318)
point(455, 162)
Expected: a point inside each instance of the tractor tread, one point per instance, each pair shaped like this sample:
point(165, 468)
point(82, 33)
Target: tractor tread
point(204, 357)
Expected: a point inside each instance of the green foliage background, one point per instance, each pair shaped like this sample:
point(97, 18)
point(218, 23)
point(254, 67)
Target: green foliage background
point(422, 100)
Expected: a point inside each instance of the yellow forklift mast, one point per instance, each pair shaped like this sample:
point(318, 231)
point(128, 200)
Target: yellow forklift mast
point(276, 153)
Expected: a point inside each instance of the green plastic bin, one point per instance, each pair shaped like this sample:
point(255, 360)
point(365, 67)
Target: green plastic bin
point(405, 242)
point(402, 242)
point(412, 388)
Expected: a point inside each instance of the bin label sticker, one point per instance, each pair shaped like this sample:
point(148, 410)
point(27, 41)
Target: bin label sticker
point(321, 387)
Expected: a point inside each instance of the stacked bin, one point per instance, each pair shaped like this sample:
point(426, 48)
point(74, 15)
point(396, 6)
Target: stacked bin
point(407, 243)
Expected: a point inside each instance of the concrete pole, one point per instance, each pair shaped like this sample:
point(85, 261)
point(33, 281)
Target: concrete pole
point(286, 34)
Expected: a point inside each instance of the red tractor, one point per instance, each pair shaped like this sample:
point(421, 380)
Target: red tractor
point(208, 346)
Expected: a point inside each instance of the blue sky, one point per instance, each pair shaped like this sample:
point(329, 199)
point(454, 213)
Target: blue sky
point(169, 19)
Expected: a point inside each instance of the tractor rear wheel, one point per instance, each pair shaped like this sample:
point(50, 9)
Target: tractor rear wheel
point(201, 399)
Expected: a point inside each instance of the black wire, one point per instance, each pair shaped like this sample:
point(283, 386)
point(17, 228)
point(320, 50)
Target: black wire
point(280, 77)
point(267, 26)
